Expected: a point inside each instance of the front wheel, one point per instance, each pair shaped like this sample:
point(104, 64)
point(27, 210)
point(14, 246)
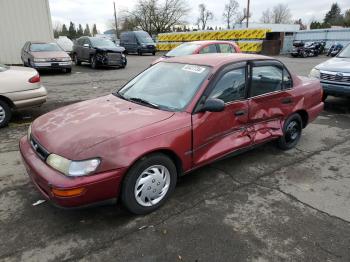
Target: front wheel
point(5, 113)
point(77, 62)
point(93, 62)
point(148, 184)
point(292, 130)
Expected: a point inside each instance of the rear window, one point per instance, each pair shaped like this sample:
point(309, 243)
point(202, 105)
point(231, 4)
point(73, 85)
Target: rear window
point(45, 47)
point(184, 49)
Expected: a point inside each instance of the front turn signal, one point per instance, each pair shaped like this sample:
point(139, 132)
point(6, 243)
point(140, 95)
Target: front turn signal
point(67, 192)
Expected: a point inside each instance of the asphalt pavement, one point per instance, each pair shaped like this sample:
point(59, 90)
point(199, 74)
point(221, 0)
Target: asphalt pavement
point(263, 205)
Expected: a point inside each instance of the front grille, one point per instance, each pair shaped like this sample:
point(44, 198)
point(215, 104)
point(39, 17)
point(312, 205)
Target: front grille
point(335, 77)
point(115, 57)
point(39, 149)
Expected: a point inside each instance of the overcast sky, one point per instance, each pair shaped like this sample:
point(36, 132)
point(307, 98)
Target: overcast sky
point(101, 11)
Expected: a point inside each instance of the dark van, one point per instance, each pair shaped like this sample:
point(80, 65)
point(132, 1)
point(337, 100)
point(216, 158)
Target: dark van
point(138, 42)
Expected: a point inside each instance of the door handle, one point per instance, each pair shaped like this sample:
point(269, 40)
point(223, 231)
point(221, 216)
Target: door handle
point(286, 101)
point(240, 113)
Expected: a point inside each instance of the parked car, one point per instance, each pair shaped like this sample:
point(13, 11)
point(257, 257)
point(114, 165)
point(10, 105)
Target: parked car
point(201, 47)
point(309, 49)
point(98, 52)
point(19, 88)
point(66, 44)
point(334, 49)
point(174, 117)
point(41, 55)
point(334, 74)
point(138, 42)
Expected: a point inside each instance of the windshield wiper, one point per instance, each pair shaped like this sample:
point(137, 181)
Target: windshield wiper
point(142, 101)
point(117, 94)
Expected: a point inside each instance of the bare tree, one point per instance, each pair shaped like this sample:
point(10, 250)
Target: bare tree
point(155, 16)
point(243, 15)
point(204, 16)
point(266, 16)
point(229, 12)
point(281, 14)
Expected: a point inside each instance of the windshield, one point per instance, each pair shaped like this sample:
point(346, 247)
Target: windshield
point(3, 67)
point(144, 37)
point(345, 53)
point(169, 86)
point(102, 43)
point(184, 49)
point(51, 47)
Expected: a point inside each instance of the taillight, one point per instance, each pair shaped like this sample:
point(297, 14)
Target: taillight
point(34, 79)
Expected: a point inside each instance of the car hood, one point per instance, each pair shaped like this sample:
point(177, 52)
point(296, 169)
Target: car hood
point(55, 54)
point(336, 64)
point(118, 49)
point(72, 129)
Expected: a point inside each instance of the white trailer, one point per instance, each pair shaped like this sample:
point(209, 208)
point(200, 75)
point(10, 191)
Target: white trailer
point(21, 21)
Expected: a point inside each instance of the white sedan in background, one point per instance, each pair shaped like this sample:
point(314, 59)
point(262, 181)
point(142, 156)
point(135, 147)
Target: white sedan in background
point(20, 87)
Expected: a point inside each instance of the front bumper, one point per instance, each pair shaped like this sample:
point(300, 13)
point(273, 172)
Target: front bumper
point(335, 89)
point(97, 188)
point(52, 65)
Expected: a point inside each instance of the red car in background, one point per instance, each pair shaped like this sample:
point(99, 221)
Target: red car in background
point(174, 117)
point(201, 47)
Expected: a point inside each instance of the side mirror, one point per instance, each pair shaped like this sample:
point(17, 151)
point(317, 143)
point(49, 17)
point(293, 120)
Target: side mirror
point(86, 45)
point(213, 105)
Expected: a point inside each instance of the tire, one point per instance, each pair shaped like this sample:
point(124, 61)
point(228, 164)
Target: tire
point(153, 53)
point(76, 60)
point(292, 130)
point(68, 70)
point(5, 113)
point(93, 62)
point(138, 202)
point(139, 52)
point(29, 63)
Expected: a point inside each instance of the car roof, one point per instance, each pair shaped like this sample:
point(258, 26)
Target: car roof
point(203, 42)
point(217, 59)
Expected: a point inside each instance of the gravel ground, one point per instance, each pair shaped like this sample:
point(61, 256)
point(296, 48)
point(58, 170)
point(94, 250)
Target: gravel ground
point(263, 205)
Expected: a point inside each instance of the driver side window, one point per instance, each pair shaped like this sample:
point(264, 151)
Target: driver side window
point(231, 86)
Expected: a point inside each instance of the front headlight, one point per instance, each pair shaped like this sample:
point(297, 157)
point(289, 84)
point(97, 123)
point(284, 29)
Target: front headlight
point(72, 168)
point(143, 45)
point(315, 73)
point(66, 59)
point(40, 59)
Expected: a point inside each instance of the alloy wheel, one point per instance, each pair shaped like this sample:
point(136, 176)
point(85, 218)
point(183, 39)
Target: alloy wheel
point(2, 114)
point(292, 132)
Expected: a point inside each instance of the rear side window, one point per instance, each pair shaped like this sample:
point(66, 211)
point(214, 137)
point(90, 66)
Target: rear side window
point(226, 48)
point(208, 49)
point(231, 86)
point(266, 79)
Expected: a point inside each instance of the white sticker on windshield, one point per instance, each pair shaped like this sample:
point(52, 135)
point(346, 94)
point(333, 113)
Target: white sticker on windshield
point(194, 69)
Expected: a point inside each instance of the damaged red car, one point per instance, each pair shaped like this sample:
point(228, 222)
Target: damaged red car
point(174, 117)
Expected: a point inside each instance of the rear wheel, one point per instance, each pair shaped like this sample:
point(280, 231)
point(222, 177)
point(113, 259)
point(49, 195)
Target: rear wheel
point(148, 184)
point(139, 52)
point(5, 113)
point(292, 130)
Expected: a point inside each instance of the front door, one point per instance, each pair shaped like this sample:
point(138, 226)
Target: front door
point(270, 101)
point(216, 134)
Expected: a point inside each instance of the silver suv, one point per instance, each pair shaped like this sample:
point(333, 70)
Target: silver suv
point(334, 74)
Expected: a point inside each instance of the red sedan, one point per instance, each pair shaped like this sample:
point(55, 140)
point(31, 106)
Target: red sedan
point(172, 118)
point(201, 47)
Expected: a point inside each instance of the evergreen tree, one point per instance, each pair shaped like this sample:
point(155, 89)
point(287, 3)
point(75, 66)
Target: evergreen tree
point(72, 33)
point(64, 31)
point(87, 30)
point(334, 16)
point(80, 31)
point(94, 30)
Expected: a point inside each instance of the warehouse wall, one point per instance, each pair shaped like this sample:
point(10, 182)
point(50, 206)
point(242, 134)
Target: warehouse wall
point(21, 21)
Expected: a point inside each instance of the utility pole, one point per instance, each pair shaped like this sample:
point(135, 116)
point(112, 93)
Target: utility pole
point(248, 7)
point(116, 21)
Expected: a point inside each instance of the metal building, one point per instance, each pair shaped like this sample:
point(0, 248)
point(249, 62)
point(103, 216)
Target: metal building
point(21, 21)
